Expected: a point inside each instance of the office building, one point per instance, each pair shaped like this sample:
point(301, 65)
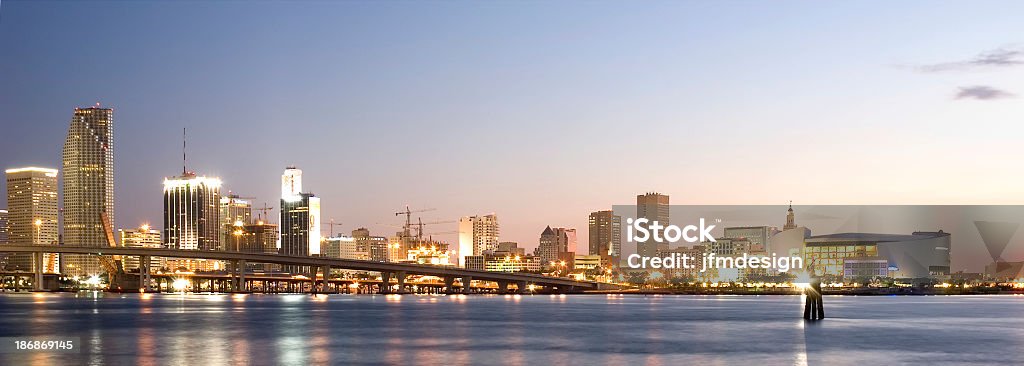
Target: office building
point(32, 215)
point(653, 207)
point(4, 230)
point(477, 234)
point(234, 212)
point(300, 219)
point(192, 213)
point(605, 234)
point(141, 237)
point(88, 168)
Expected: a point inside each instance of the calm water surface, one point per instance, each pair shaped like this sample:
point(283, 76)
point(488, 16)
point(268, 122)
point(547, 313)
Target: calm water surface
point(519, 330)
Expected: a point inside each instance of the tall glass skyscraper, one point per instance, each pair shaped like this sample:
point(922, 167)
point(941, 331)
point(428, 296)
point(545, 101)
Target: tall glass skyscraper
point(192, 213)
point(88, 159)
point(300, 219)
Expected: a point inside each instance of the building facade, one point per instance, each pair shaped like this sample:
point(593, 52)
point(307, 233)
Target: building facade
point(192, 213)
point(300, 219)
point(142, 237)
point(477, 234)
point(652, 206)
point(605, 234)
point(32, 215)
point(919, 255)
point(88, 168)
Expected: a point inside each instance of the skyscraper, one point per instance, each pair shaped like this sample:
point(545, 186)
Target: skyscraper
point(547, 248)
point(654, 207)
point(4, 231)
point(88, 159)
point(32, 207)
point(300, 219)
point(605, 234)
point(192, 213)
point(4, 228)
point(477, 234)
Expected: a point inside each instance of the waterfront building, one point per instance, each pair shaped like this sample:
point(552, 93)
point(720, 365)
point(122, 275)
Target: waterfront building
point(605, 234)
point(652, 206)
point(477, 234)
point(369, 247)
point(505, 262)
point(191, 213)
point(32, 215)
point(300, 219)
point(477, 262)
point(919, 255)
point(142, 237)
point(88, 168)
point(234, 211)
point(258, 237)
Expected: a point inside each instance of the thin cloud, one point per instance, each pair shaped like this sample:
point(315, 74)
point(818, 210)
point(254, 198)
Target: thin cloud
point(997, 58)
point(982, 92)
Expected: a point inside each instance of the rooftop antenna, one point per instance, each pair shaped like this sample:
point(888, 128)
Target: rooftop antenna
point(184, 171)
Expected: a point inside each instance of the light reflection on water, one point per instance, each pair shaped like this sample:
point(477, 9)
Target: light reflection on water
point(148, 329)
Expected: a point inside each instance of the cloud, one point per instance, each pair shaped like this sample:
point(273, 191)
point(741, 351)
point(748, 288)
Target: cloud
point(982, 92)
point(1000, 57)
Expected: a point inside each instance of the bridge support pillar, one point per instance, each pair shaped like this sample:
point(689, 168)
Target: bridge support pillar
point(400, 275)
point(523, 288)
point(37, 283)
point(449, 285)
point(241, 275)
point(327, 278)
point(144, 273)
point(467, 285)
point(385, 282)
point(502, 287)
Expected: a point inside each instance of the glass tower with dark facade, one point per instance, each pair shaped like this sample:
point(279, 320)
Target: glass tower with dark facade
point(300, 220)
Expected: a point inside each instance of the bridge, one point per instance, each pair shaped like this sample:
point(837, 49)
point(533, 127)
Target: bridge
point(388, 270)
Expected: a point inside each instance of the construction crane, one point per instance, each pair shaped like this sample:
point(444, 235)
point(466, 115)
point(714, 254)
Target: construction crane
point(263, 211)
point(332, 225)
point(408, 219)
point(419, 231)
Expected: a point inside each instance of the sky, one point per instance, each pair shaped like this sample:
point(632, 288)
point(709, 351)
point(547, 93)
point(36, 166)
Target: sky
point(540, 112)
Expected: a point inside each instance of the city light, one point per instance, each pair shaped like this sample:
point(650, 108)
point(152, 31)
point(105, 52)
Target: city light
point(93, 281)
point(180, 284)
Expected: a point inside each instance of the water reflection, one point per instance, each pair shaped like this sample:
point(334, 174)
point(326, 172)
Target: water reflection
point(156, 329)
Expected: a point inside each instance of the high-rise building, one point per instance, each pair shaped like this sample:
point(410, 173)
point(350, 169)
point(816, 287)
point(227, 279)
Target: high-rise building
point(142, 237)
point(652, 206)
point(234, 212)
point(556, 243)
point(88, 159)
point(605, 234)
point(547, 249)
point(192, 213)
point(370, 247)
point(32, 211)
point(477, 234)
point(4, 230)
point(300, 219)
point(259, 237)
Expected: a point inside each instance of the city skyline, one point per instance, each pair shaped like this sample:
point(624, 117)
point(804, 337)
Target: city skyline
point(466, 126)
